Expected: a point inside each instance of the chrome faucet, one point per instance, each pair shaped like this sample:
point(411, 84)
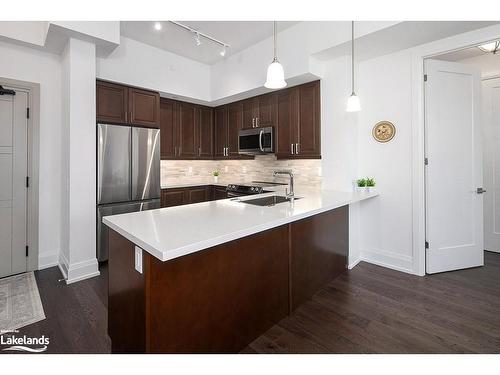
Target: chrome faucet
point(289, 194)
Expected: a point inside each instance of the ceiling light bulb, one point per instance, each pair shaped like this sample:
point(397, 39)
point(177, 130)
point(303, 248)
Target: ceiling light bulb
point(197, 38)
point(157, 26)
point(353, 104)
point(223, 51)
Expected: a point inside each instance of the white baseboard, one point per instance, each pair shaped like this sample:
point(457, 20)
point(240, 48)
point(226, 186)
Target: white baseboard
point(354, 263)
point(47, 260)
point(78, 271)
point(388, 259)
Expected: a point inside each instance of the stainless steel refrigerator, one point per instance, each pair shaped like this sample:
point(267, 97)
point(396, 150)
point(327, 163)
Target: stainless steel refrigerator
point(128, 174)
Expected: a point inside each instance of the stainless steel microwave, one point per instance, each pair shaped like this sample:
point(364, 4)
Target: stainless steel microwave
point(256, 141)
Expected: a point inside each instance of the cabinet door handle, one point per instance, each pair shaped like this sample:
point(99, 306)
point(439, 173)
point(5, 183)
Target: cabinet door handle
point(297, 148)
point(257, 122)
point(199, 151)
point(227, 151)
point(292, 148)
point(253, 122)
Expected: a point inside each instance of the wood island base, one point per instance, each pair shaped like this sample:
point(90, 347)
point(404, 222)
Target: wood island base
point(220, 299)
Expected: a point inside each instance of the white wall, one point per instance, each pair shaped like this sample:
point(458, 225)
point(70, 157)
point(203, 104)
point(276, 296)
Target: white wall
point(295, 47)
point(27, 64)
point(385, 88)
point(138, 64)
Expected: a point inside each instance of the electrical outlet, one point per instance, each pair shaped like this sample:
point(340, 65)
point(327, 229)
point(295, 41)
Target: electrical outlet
point(138, 259)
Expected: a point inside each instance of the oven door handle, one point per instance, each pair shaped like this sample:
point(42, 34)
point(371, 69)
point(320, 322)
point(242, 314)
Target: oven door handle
point(260, 140)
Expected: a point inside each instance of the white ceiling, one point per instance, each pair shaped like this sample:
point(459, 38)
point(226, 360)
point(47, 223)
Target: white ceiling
point(460, 54)
point(172, 38)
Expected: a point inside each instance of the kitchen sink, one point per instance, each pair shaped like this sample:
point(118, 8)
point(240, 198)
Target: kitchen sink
point(268, 201)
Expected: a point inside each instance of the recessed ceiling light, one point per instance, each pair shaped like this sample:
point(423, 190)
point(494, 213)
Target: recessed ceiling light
point(157, 26)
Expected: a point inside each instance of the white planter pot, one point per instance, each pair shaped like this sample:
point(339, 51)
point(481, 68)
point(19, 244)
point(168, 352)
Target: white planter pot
point(361, 189)
point(216, 179)
point(370, 189)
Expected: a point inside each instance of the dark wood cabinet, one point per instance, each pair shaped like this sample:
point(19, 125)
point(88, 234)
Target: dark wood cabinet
point(127, 105)
point(168, 121)
point(188, 136)
point(112, 102)
point(298, 124)
point(144, 107)
point(221, 131)
point(250, 113)
point(234, 120)
point(228, 122)
point(189, 128)
point(308, 128)
point(206, 133)
point(267, 114)
point(172, 197)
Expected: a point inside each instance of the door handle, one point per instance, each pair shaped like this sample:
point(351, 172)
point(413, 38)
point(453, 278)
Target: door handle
point(292, 148)
point(253, 123)
point(227, 151)
point(257, 122)
point(480, 190)
point(260, 140)
point(296, 148)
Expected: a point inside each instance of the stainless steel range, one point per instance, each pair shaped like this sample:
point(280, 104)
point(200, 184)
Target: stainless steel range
point(252, 188)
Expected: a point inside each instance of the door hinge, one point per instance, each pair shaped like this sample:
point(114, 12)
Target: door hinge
point(426, 161)
point(27, 181)
point(28, 112)
point(426, 244)
point(27, 250)
point(425, 77)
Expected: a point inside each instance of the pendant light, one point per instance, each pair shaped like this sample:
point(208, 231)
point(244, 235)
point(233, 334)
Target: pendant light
point(353, 104)
point(275, 74)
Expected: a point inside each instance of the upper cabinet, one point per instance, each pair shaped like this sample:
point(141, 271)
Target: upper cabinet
point(192, 131)
point(112, 102)
point(127, 105)
point(298, 125)
point(187, 130)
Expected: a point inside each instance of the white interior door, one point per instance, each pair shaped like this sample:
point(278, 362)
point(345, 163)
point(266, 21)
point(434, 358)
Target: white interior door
point(454, 208)
point(13, 172)
point(491, 117)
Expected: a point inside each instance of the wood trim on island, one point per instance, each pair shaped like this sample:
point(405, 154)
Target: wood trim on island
point(220, 299)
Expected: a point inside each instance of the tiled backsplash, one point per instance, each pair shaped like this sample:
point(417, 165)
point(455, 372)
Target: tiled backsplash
point(307, 172)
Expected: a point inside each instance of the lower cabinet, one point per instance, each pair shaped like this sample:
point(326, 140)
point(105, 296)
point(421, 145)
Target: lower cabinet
point(193, 194)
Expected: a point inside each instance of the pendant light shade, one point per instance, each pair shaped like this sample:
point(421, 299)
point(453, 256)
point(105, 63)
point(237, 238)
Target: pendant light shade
point(353, 103)
point(275, 74)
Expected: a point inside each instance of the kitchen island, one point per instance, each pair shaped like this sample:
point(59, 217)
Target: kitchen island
point(211, 277)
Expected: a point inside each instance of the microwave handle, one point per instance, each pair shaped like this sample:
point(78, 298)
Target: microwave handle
point(260, 140)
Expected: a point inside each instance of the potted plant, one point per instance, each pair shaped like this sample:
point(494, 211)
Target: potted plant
point(370, 184)
point(361, 184)
point(216, 174)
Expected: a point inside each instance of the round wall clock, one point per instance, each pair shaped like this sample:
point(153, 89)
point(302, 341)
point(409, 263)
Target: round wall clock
point(384, 131)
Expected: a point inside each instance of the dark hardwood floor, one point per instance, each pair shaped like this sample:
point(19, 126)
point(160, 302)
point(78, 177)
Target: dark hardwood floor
point(369, 309)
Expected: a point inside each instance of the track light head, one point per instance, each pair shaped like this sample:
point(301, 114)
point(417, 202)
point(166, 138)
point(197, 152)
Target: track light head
point(197, 39)
point(223, 51)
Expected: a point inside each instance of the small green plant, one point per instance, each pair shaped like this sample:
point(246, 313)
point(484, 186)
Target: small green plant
point(361, 182)
point(216, 173)
point(370, 182)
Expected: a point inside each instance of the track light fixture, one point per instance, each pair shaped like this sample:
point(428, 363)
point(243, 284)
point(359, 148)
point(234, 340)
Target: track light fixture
point(199, 35)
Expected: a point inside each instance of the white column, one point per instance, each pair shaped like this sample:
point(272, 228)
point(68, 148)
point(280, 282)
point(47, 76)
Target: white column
point(78, 244)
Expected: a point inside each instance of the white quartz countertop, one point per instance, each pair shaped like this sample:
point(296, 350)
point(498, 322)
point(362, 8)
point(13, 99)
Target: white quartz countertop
point(169, 233)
